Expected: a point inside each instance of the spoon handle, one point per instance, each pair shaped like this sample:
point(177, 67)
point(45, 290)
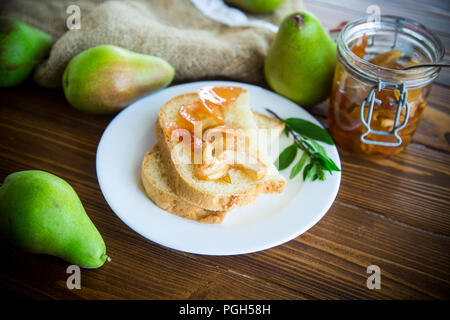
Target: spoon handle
point(424, 65)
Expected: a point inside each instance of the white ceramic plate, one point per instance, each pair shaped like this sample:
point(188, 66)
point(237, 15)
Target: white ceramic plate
point(272, 220)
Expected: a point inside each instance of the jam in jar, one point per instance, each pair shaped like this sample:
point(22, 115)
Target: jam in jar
point(375, 105)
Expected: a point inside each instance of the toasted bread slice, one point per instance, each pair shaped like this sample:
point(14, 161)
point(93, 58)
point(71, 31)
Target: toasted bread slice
point(212, 195)
point(156, 184)
point(155, 180)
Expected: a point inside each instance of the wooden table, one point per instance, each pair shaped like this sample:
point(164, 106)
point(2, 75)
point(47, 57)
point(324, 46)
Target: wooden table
point(393, 212)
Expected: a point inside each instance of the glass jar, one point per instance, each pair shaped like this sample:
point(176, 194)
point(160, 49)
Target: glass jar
point(375, 106)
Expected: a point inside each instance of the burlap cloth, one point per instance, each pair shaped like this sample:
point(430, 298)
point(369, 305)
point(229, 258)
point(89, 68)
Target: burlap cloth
point(175, 30)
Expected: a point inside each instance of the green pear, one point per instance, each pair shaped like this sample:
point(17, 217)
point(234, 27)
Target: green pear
point(255, 6)
point(41, 213)
point(106, 78)
point(301, 60)
point(21, 48)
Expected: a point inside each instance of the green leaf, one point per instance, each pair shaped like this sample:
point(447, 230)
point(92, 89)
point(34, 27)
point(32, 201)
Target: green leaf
point(318, 147)
point(286, 157)
point(322, 161)
point(311, 172)
point(333, 165)
point(325, 162)
point(309, 129)
point(310, 147)
point(321, 175)
point(323, 158)
point(299, 166)
point(308, 168)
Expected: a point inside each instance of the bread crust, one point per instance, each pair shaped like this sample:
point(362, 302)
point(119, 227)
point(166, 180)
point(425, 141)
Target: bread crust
point(170, 202)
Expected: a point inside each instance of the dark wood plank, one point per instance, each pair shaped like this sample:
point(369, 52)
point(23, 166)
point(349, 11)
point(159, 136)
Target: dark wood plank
point(139, 270)
point(330, 261)
point(434, 129)
point(412, 187)
point(439, 97)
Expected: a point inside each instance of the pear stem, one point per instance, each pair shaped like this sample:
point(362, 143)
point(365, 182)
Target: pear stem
point(108, 259)
point(299, 20)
